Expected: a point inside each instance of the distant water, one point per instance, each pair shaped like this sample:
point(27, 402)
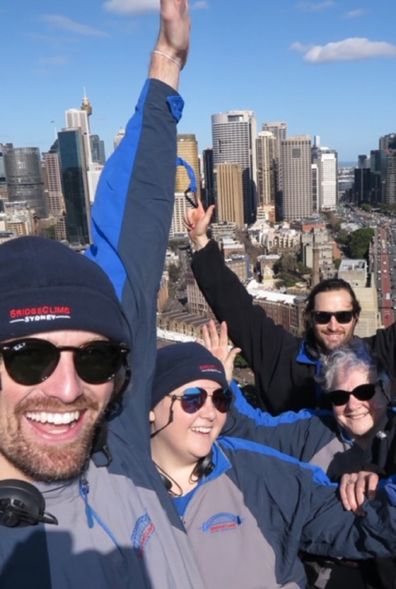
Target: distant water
point(347, 164)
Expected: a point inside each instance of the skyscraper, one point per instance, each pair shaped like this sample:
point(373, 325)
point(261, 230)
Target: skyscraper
point(387, 145)
point(296, 177)
point(233, 136)
point(97, 150)
point(3, 181)
point(53, 184)
point(279, 131)
point(75, 185)
point(119, 136)
point(266, 168)
point(187, 149)
point(229, 190)
point(78, 119)
point(209, 191)
point(326, 160)
point(24, 181)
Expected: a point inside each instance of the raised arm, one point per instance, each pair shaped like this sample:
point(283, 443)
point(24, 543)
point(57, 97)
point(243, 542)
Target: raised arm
point(133, 208)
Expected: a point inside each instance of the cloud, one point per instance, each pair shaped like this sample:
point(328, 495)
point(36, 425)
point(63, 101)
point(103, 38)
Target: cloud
point(200, 5)
point(315, 6)
point(357, 13)
point(58, 21)
point(131, 6)
point(347, 50)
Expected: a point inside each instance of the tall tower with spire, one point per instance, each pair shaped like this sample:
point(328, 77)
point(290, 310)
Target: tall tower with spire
point(86, 105)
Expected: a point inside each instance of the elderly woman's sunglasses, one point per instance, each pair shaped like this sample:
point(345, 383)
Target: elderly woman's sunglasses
point(363, 392)
point(194, 398)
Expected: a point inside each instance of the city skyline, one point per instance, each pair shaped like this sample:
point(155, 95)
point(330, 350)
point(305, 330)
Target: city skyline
point(324, 67)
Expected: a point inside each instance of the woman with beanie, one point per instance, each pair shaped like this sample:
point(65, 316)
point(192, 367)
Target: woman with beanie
point(247, 508)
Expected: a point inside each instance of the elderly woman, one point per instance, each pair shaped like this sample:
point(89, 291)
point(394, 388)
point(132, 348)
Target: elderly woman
point(358, 433)
point(247, 509)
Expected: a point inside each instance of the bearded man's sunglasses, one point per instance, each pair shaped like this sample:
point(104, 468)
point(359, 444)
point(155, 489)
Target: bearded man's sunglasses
point(363, 392)
point(194, 398)
point(31, 361)
point(324, 317)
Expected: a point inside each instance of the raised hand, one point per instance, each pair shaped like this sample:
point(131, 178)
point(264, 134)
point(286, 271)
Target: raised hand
point(170, 52)
point(197, 221)
point(174, 35)
point(217, 343)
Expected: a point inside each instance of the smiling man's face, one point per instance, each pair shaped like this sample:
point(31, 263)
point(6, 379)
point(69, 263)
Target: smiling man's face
point(333, 334)
point(46, 430)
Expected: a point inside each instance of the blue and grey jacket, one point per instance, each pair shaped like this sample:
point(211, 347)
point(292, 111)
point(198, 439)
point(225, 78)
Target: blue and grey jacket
point(117, 527)
point(248, 519)
point(313, 436)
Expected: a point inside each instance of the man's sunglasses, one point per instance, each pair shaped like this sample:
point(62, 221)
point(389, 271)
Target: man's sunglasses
point(31, 361)
point(363, 392)
point(324, 317)
point(194, 398)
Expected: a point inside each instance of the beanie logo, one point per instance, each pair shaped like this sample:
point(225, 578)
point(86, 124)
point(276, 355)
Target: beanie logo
point(44, 313)
point(209, 368)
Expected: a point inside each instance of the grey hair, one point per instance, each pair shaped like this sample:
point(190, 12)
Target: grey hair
point(353, 356)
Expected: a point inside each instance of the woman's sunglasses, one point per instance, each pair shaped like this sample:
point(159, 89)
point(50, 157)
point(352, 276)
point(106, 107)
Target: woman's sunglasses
point(31, 361)
point(324, 317)
point(363, 392)
point(194, 398)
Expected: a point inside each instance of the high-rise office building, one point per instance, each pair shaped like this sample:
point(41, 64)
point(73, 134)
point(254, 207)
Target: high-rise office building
point(119, 136)
point(3, 180)
point(97, 150)
point(233, 136)
point(279, 131)
point(187, 149)
point(229, 191)
point(326, 161)
point(78, 119)
point(208, 195)
point(53, 184)
point(24, 180)
point(296, 178)
point(387, 145)
point(75, 185)
point(266, 168)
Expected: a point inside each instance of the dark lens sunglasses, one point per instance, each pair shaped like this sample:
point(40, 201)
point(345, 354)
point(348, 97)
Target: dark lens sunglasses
point(324, 317)
point(363, 392)
point(194, 398)
point(31, 361)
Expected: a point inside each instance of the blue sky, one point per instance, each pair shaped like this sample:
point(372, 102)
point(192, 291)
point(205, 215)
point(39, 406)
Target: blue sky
point(326, 67)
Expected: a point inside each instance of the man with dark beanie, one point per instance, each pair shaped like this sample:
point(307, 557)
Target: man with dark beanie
point(81, 504)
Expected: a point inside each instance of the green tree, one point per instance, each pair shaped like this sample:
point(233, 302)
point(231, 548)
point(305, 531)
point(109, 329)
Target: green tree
point(359, 242)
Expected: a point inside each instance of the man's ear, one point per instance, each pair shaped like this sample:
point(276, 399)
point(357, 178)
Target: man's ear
point(151, 416)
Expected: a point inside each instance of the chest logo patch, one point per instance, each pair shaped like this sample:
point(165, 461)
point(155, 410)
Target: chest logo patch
point(221, 522)
point(142, 534)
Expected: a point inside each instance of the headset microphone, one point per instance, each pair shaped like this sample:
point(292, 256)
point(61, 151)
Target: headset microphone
point(22, 504)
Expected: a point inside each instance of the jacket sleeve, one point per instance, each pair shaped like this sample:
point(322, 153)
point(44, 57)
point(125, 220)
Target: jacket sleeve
point(383, 344)
point(131, 218)
point(269, 349)
point(299, 434)
point(331, 531)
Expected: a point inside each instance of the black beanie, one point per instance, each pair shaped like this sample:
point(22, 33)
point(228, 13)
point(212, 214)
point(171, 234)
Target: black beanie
point(179, 364)
point(46, 286)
